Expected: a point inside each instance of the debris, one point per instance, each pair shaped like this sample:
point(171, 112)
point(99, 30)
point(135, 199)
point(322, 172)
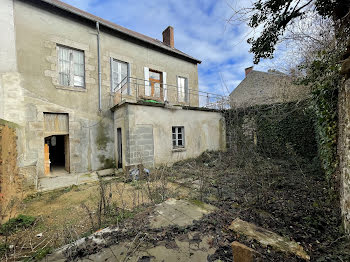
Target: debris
point(268, 238)
point(242, 253)
point(135, 173)
point(39, 235)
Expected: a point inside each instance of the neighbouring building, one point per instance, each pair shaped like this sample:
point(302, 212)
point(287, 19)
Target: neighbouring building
point(87, 94)
point(264, 88)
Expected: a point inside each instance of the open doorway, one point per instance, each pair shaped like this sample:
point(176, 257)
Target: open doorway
point(57, 154)
point(120, 148)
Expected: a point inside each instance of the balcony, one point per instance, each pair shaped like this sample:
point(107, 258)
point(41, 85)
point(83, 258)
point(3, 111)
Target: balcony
point(136, 90)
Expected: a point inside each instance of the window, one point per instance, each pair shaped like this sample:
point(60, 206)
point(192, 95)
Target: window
point(182, 89)
point(178, 136)
point(155, 82)
point(71, 67)
point(120, 72)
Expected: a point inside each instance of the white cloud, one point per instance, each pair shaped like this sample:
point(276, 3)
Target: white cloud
point(201, 30)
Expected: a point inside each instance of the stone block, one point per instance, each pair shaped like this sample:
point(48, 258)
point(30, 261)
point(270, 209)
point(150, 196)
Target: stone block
point(242, 253)
point(268, 238)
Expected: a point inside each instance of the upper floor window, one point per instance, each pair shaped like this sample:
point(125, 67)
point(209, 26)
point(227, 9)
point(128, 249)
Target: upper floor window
point(120, 72)
point(71, 67)
point(182, 89)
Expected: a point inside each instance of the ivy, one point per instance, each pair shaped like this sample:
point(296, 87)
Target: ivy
point(278, 128)
point(324, 78)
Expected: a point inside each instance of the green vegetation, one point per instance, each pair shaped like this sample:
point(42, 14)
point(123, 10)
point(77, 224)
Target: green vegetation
point(39, 254)
point(277, 129)
point(323, 75)
point(3, 249)
point(14, 224)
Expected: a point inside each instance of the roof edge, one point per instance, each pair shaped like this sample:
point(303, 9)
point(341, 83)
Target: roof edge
point(76, 11)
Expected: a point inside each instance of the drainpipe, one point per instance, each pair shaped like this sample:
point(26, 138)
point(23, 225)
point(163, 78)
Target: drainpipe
point(99, 66)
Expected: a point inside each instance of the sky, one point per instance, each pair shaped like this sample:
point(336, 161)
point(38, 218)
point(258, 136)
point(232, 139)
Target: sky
point(201, 29)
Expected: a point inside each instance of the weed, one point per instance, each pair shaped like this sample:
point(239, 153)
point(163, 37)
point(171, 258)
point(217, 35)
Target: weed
point(39, 254)
point(3, 249)
point(14, 224)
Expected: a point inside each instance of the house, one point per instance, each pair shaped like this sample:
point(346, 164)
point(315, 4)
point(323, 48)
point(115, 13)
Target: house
point(264, 88)
point(88, 94)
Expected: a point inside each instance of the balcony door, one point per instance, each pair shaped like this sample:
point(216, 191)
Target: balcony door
point(155, 81)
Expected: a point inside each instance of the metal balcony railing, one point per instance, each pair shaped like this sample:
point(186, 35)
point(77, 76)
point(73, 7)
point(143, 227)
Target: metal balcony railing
point(133, 89)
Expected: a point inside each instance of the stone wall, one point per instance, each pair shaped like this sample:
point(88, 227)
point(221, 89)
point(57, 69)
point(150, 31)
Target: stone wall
point(344, 152)
point(10, 180)
point(343, 149)
point(272, 130)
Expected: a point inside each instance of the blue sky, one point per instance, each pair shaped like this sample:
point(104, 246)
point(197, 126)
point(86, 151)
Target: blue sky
point(201, 30)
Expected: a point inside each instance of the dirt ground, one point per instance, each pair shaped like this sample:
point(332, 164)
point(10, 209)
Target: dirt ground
point(65, 215)
point(288, 196)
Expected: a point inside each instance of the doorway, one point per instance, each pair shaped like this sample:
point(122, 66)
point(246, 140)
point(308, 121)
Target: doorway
point(57, 154)
point(120, 148)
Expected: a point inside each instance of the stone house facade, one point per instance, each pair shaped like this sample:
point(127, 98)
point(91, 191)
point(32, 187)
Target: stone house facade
point(264, 88)
point(82, 89)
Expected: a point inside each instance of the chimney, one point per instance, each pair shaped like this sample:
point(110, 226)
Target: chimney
point(248, 70)
point(168, 36)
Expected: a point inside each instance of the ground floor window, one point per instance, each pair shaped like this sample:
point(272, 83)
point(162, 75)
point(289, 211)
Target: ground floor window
point(178, 136)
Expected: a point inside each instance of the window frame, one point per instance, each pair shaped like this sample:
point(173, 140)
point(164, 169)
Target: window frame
point(127, 75)
point(71, 82)
point(175, 131)
point(185, 89)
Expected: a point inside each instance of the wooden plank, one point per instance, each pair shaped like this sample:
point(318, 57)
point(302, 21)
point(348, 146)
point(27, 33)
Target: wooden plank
point(47, 159)
point(56, 123)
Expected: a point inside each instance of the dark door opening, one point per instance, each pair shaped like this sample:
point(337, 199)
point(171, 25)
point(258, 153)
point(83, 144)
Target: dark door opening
point(57, 148)
point(120, 147)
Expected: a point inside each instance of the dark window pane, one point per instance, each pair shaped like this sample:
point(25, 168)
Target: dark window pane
point(174, 143)
point(174, 136)
point(179, 136)
point(179, 142)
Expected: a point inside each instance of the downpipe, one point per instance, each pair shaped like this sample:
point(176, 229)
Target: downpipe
point(99, 67)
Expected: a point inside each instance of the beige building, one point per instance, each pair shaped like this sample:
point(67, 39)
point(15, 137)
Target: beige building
point(88, 94)
point(264, 88)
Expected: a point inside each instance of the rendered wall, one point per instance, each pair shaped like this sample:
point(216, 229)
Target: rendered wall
point(33, 88)
point(147, 132)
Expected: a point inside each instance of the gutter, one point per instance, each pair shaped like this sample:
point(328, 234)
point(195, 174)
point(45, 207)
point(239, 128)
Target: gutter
point(99, 66)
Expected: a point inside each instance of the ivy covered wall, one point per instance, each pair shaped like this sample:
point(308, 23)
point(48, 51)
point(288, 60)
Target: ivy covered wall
point(274, 130)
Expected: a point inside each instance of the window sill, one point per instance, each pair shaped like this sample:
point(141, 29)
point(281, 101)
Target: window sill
point(69, 88)
point(180, 149)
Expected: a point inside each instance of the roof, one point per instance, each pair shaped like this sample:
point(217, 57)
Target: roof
point(146, 39)
point(269, 73)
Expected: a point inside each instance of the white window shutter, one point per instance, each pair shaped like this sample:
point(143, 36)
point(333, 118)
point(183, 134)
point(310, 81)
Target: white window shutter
point(128, 79)
point(187, 91)
point(147, 86)
point(165, 89)
point(112, 78)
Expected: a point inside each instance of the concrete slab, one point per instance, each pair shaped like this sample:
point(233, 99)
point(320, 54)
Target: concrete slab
point(191, 247)
point(178, 212)
point(268, 238)
point(66, 179)
point(139, 251)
